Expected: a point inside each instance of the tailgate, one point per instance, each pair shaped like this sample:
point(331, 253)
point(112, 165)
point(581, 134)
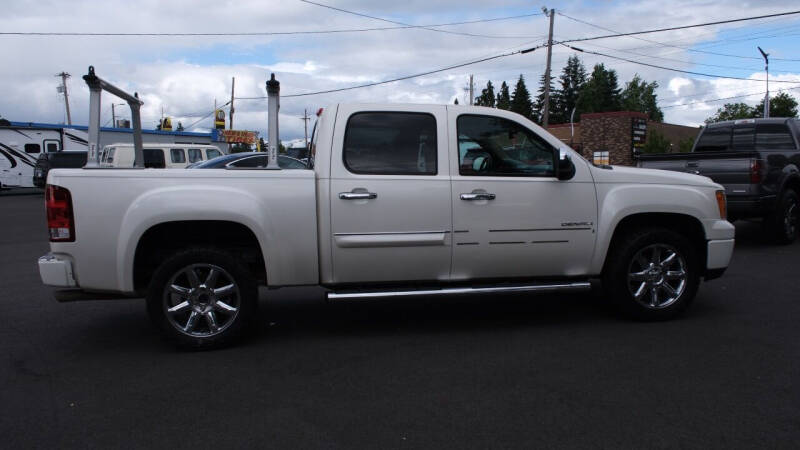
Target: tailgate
point(730, 169)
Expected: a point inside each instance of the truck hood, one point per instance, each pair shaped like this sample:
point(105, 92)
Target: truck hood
point(621, 174)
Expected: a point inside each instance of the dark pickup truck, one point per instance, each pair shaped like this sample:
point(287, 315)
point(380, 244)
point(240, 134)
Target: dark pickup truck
point(758, 163)
point(64, 159)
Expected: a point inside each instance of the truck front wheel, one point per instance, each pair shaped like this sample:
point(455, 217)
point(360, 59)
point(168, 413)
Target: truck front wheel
point(202, 298)
point(652, 274)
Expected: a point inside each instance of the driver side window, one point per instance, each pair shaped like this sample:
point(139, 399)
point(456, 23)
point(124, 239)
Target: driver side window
point(493, 146)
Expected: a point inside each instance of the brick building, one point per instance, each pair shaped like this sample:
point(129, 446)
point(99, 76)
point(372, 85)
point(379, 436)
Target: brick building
point(610, 137)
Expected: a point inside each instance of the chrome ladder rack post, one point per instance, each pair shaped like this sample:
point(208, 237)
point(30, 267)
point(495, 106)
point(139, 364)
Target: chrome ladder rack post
point(273, 106)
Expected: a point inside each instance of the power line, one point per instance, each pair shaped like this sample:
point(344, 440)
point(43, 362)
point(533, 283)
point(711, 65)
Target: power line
point(429, 28)
point(724, 98)
point(673, 69)
point(683, 27)
point(206, 116)
point(272, 33)
point(406, 77)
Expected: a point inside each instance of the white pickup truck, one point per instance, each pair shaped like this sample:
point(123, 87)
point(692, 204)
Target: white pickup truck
point(399, 200)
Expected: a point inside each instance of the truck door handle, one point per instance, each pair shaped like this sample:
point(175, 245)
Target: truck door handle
point(478, 196)
point(357, 195)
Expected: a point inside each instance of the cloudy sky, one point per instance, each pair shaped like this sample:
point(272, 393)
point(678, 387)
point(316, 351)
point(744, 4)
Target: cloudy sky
point(184, 75)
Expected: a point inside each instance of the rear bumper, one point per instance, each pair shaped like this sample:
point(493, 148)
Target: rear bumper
point(56, 270)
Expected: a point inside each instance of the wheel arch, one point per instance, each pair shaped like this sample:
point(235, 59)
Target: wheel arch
point(163, 239)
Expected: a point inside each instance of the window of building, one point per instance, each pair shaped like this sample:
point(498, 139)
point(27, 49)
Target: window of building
point(600, 158)
point(177, 155)
point(195, 154)
point(390, 143)
point(32, 148)
point(716, 139)
point(774, 136)
point(493, 146)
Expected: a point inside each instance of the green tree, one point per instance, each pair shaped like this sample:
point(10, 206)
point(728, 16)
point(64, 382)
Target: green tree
point(538, 105)
point(656, 143)
point(180, 127)
point(685, 146)
point(240, 147)
point(601, 92)
point(732, 111)
point(781, 105)
point(521, 99)
point(503, 97)
point(640, 95)
point(487, 97)
point(455, 102)
point(572, 79)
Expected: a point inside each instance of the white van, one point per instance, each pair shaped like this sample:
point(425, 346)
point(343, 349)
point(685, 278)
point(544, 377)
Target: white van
point(159, 156)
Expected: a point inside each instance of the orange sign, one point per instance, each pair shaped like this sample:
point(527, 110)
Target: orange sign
point(238, 136)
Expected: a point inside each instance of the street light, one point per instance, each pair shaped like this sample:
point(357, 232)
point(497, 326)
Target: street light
point(766, 68)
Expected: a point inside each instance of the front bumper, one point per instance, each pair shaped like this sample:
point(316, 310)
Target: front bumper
point(718, 256)
point(56, 270)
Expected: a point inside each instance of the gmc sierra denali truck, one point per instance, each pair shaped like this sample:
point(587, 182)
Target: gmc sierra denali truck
point(399, 200)
point(758, 163)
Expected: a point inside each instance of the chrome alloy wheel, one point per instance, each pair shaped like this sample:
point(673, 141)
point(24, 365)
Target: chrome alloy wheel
point(201, 300)
point(657, 276)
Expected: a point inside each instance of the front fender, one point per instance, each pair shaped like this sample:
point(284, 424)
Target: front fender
point(618, 201)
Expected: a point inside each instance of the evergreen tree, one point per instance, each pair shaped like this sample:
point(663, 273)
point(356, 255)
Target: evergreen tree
point(503, 98)
point(521, 99)
point(640, 95)
point(538, 105)
point(572, 79)
point(656, 143)
point(781, 105)
point(601, 92)
point(487, 97)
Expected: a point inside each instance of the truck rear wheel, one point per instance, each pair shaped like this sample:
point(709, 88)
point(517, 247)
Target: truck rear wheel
point(652, 274)
point(784, 222)
point(202, 299)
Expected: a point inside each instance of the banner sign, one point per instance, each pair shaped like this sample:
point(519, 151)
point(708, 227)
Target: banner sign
point(237, 136)
point(638, 133)
point(219, 119)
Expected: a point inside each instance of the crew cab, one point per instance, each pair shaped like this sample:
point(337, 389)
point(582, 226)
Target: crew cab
point(758, 163)
point(399, 200)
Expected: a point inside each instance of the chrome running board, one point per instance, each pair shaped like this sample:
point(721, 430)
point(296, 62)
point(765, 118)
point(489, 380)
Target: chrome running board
point(580, 286)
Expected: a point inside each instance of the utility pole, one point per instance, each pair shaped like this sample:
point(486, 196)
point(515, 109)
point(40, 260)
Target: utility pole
point(766, 68)
point(546, 112)
point(233, 82)
point(64, 76)
point(471, 91)
point(305, 120)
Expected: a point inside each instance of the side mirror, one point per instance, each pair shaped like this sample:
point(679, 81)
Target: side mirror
point(566, 168)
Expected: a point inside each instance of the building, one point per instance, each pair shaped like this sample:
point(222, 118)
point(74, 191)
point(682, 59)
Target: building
point(616, 137)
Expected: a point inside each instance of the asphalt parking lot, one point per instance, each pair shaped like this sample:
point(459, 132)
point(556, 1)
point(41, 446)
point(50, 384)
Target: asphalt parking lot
point(488, 372)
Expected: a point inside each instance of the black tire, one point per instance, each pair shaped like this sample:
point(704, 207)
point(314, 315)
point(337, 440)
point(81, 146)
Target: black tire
point(629, 270)
point(209, 305)
point(784, 223)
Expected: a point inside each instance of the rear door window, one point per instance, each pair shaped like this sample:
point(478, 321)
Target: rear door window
point(717, 139)
point(774, 136)
point(212, 153)
point(251, 162)
point(390, 143)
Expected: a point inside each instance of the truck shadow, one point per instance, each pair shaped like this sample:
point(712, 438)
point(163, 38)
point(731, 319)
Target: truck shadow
point(750, 233)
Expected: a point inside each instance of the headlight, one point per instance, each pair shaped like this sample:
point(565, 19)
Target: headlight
point(722, 204)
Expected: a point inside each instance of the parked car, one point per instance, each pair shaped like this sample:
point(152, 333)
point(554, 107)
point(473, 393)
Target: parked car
point(390, 209)
point(56, 160)
point(758, 163)
point(158, 156)
point(248, 160)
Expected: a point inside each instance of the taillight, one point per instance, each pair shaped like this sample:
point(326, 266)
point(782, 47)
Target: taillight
point(60, 222)
point(755, 171)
